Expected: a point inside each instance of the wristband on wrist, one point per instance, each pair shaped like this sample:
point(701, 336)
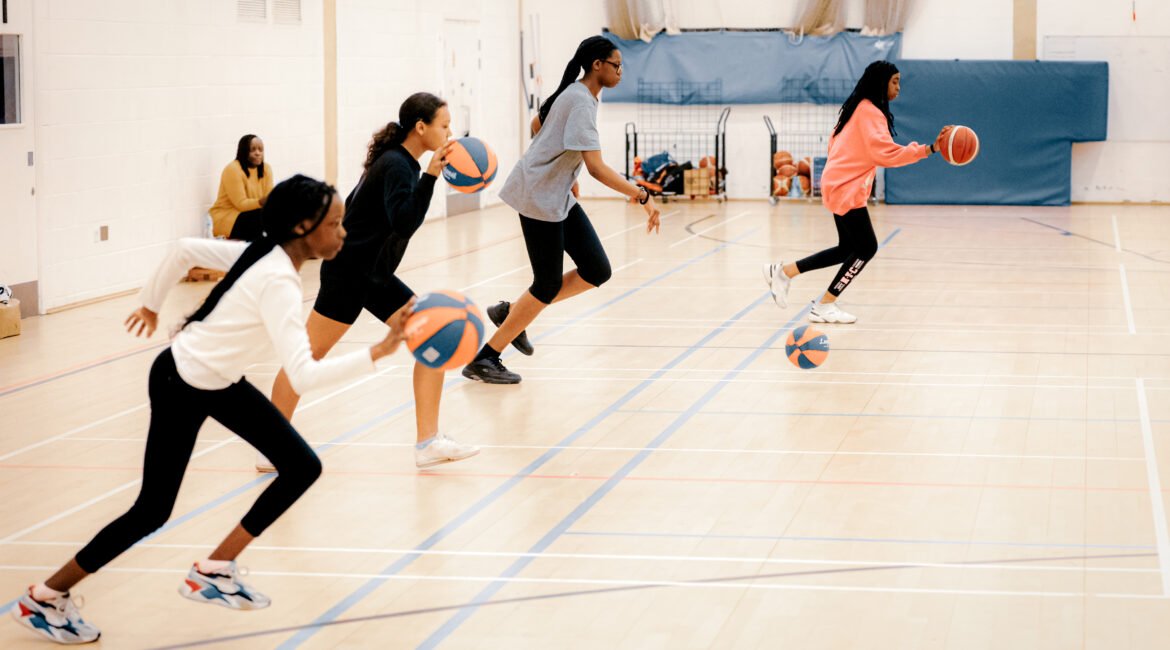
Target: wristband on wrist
point(644, 199)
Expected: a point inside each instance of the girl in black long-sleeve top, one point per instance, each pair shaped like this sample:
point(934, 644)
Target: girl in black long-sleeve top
point(382, 213)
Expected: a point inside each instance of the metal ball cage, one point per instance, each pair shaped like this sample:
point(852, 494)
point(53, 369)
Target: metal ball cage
point(687, 121)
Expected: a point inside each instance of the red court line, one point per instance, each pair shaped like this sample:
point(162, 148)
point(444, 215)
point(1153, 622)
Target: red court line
point(120, 355)
point(82, 366)
point(580, 477)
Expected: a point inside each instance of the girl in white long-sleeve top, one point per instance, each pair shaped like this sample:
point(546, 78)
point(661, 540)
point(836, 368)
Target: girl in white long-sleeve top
point(255, 310)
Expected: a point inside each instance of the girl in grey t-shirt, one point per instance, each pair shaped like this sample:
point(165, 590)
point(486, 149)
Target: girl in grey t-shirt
point(542, 188)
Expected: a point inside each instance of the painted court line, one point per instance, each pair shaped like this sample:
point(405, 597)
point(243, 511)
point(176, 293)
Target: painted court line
point(69, 433)
point(1155, 485)
point(861, 540)
point(749, 586)
point(244, 488)
point(711, 450)
point(1125, 299)
point(710, 228)
point(1017, 565)
point(485, 595)
point(465, 516)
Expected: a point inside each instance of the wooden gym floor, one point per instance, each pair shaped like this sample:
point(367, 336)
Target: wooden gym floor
point(977, 465)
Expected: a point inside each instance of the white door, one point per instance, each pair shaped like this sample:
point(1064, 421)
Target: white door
point(18, 215)
point(461, 72)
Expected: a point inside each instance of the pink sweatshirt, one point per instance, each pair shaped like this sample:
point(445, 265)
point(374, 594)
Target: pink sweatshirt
point(856, 152)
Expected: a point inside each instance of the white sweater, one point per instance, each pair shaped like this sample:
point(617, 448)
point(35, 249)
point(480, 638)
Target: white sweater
point(261, 312)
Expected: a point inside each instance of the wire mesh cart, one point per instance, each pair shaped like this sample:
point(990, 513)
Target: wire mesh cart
point(797, 151)
point(678, 144)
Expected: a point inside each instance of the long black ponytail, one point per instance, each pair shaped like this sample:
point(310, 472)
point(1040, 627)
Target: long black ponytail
point(291, 203)
point(594, 48)
point(873, 85)
point(419, 107)
point(243, 155)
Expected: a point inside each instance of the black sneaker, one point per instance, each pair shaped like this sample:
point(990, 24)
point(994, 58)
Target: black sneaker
point(499, 313)
point(490, 371)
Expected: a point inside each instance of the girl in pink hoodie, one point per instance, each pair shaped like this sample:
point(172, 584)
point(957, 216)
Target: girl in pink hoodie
point(861, 141)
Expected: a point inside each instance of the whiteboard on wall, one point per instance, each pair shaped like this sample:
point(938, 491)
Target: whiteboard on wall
point(1139, 80)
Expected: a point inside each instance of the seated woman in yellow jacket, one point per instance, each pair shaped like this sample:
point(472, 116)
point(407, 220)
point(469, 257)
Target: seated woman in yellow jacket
point(243, 189)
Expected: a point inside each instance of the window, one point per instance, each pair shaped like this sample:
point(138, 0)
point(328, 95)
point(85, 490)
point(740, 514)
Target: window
point(286, 12)
point(9, 79)
point(252, 10)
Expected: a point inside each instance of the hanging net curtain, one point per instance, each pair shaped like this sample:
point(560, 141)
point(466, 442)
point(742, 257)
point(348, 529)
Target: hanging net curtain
point(819, 17)
point(641, 19)
point(884, 17)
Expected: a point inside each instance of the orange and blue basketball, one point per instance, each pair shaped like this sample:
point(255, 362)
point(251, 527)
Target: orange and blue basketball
point(471, 165)
point(445, 331)
point(806, 348)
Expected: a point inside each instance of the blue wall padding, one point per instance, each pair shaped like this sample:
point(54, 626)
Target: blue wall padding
point(1027, 115)
point(755, 67)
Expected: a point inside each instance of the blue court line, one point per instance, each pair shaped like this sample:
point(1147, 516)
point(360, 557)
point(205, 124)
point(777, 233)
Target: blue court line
point(907, 416)
point(585, 506)
point(476, 508)
point(871, 540)
point(171, 524)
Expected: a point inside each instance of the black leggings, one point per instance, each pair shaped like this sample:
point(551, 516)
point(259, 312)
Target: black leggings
point(249, 226)
point(856, 245)
point(177, 410)
point(547, 244)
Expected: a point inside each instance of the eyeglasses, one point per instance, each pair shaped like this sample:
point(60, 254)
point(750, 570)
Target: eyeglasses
point(616, 66)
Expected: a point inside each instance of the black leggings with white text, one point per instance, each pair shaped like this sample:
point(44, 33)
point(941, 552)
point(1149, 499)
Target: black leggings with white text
point(856, 246)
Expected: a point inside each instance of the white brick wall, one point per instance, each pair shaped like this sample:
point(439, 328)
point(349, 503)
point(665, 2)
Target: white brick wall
point(390, 50)
point(139, 107)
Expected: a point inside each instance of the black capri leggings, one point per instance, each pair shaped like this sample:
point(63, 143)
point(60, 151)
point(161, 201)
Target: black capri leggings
point(177, 410)
point(856, 245)
point(547, 244)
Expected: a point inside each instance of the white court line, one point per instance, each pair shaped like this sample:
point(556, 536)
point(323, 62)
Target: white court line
point(17, 452)
point(813, 382)
point(627, 265)
point(745, 584)
point(661, 218)
point(1125, 299)
point(527, 266)
point(771, 322)
point(1155, 483)
point(494, 277)
point(129, 484)
point(835, 330)
point(708, 229)
point(335, 550)
point(804, 373)
point(707, 450)
point(78, 508)
point(920, 287)
point(1116, 233)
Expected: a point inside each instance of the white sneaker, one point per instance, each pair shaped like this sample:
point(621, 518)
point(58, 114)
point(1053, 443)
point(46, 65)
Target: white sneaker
point(222, 588)
point(264, 465)
point(57, 619)
point(830, 313)
point(778, 282)
point(441, 450)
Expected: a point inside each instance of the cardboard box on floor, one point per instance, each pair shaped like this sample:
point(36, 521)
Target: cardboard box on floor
point(10, 318)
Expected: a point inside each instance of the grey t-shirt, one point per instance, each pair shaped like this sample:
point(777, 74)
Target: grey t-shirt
point(540, 185)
